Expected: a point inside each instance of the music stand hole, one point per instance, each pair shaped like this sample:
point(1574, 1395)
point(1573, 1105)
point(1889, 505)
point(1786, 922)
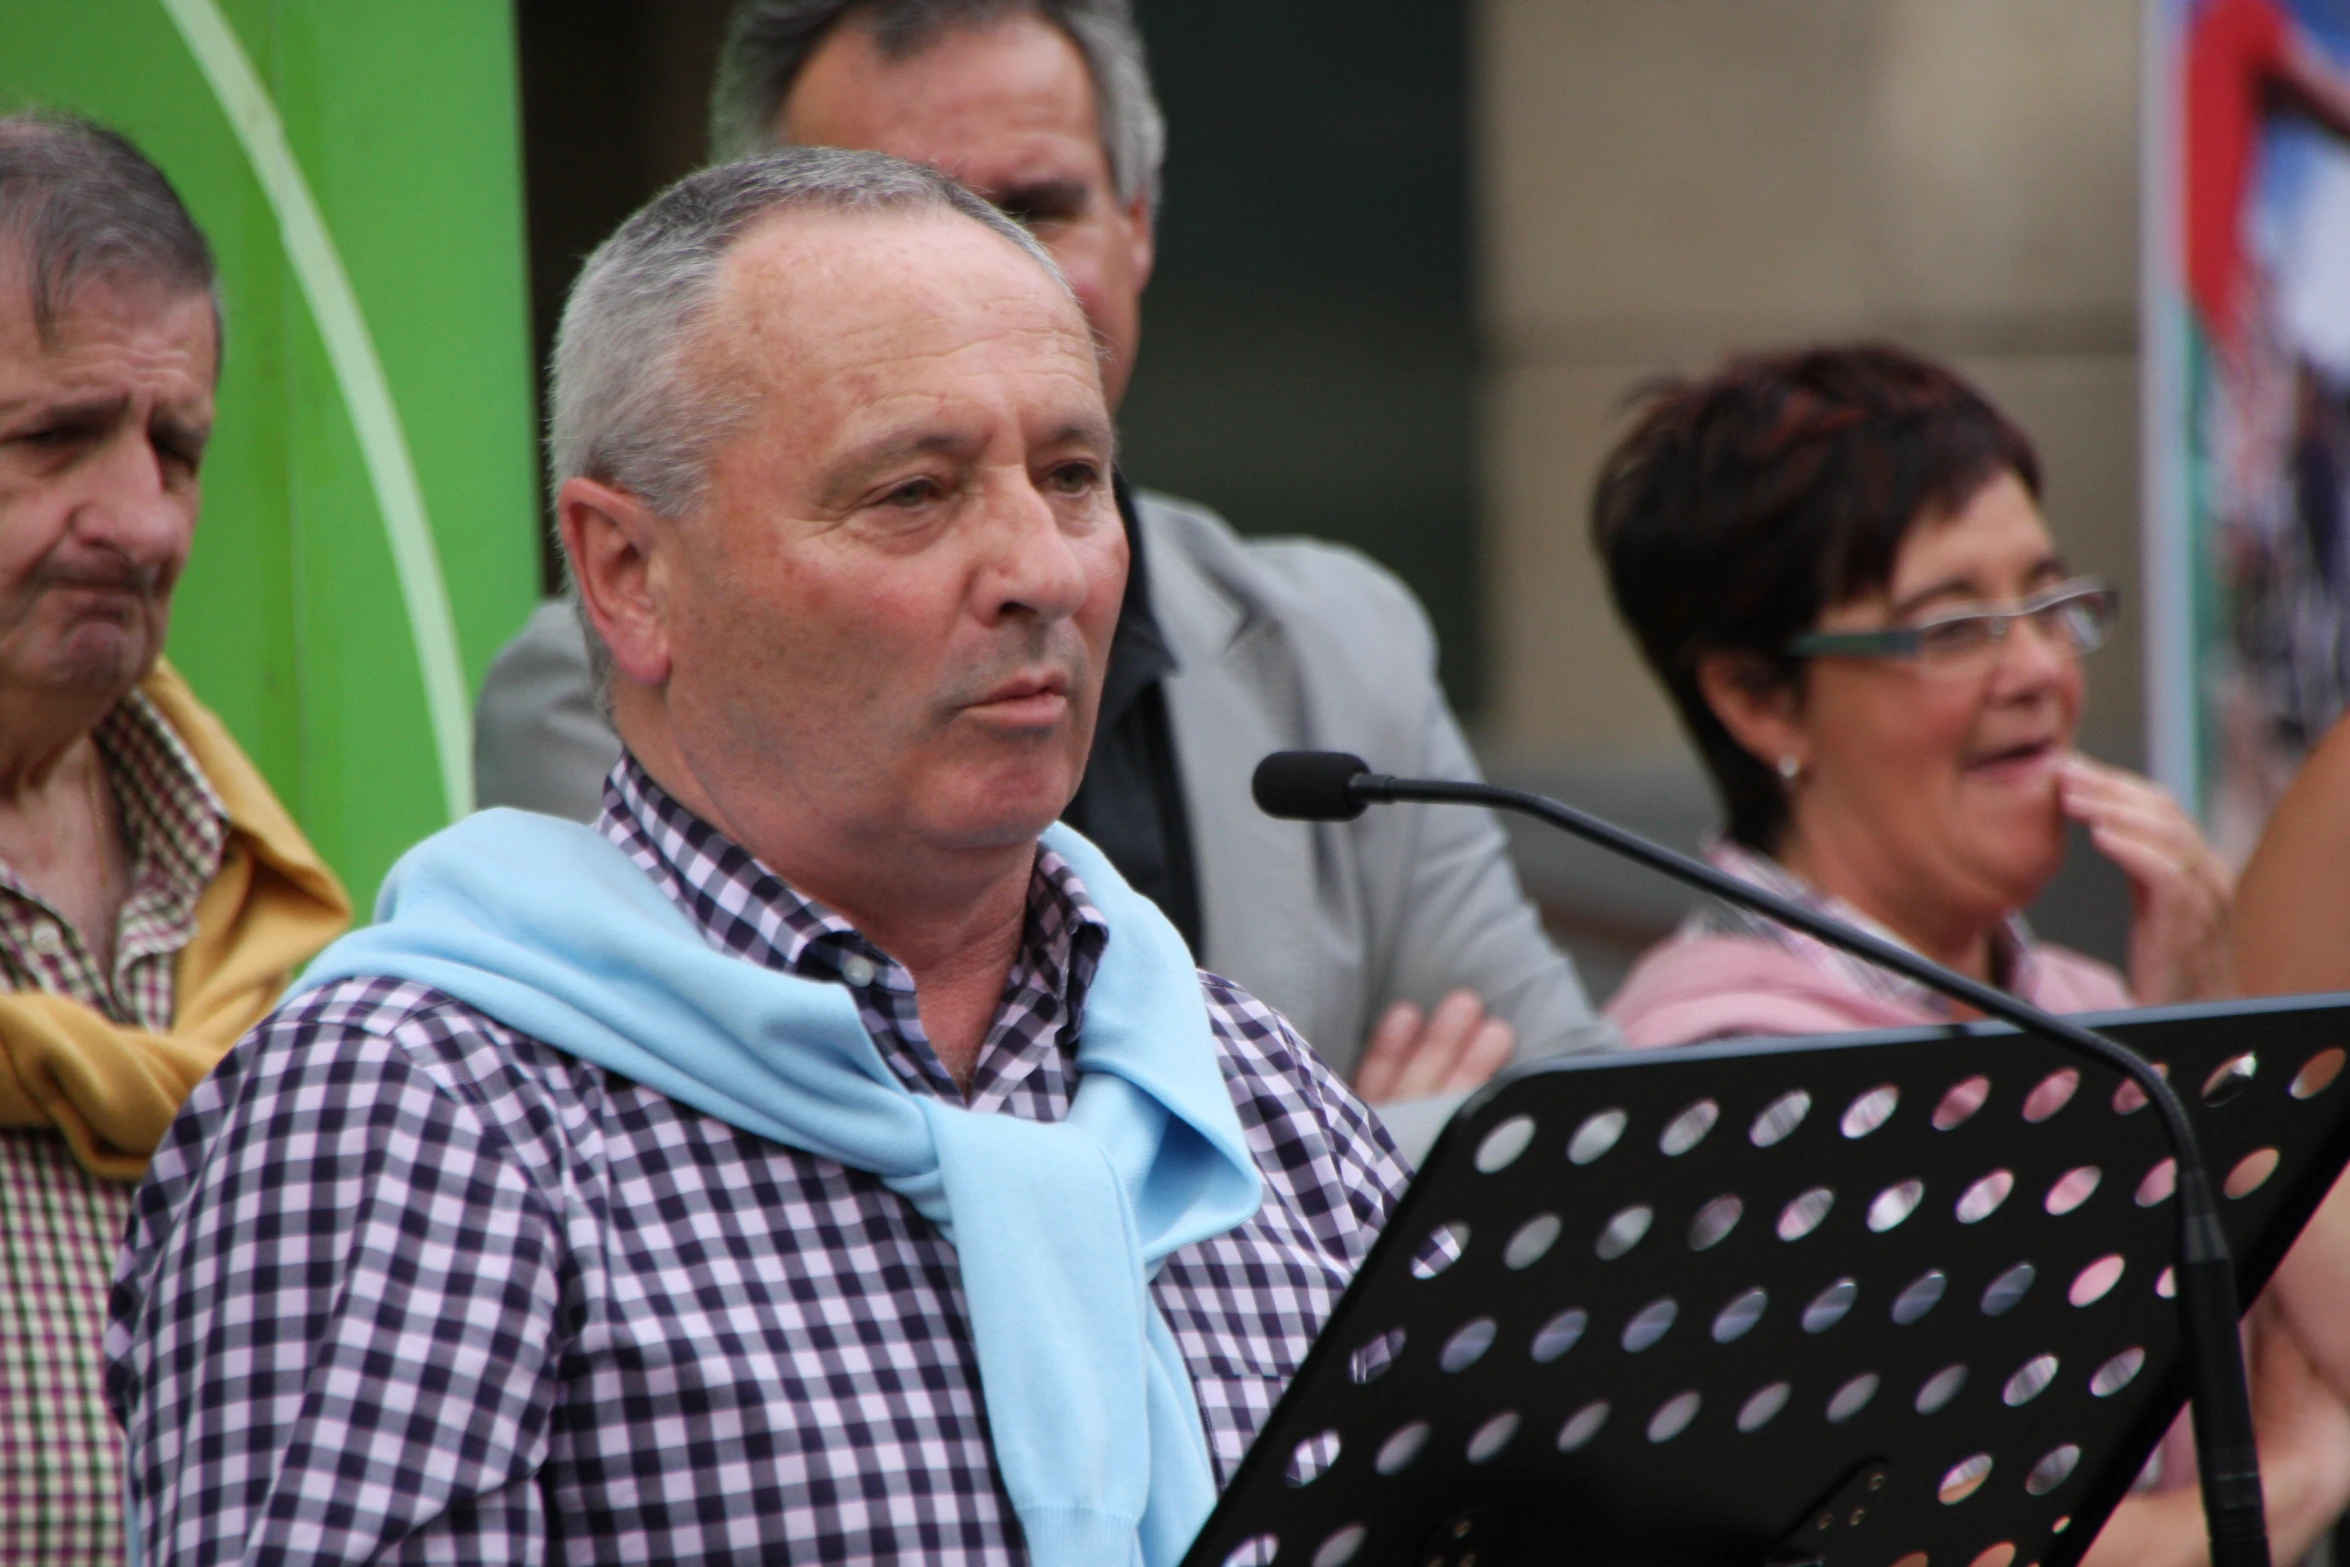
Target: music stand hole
point(1960, 1103)
point(1673, 1416)
point(1828, 1307)
point(1468, 1345)
point(1255, 1551)
point(2251, 1172)
point(2317, 1074)
point(1714, 1221)
point(2052, 1094)
point(1981, 1200)
point(2094, 1282)
point(1499, 1148)
point(2031, 1379)
point(2160, 1182)
point(1398, 1451)
point(1596, 1136)
point(2117, 1373)
point(1623, 1232)
point(1852, 1398)
point(1369, 1362)
point(2054, 1468)
point(2002, 1293)
point(1870, 1111)
point(1444, 1246)
point(1779, 1119)
point(2129, 1098)
point(1804, 1214)
point(1939, 1389)
point(1555, 1337)
point(2166, 1284)
point(1582, 1426)
point(1654, 1322)
point(1914, 1559)
point(1738, 1318)
point(1532, 1241)
point(1763, 1407)
point(2229, 1079)
point(2000, 1555)
point(1341, 1547)
point(1491, 1437)
point(1964, 1479)
point(2073, 1188)
point(1920, 1296)
point(1311, 1458)
point(1894, 1204)
point(1686, 1130)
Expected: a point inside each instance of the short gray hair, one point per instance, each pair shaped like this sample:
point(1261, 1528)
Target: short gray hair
point(768, 41)
point(626, 406)
point(79, 202)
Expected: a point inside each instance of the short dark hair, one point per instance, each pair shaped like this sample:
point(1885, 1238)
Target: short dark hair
point(769, 41)
point(1743, 505)
point(79, 202)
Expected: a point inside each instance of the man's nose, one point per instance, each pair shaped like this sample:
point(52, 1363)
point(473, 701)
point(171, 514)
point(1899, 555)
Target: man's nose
point(128, 501)
point(1034, 566)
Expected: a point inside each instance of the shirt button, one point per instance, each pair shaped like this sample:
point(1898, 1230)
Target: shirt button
point(858, 969)
point(47, 938)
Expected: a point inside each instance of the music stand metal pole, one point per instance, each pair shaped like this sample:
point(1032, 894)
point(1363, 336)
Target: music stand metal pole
point(2208, 1309)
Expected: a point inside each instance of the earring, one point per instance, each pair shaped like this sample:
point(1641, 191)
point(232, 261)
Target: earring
point(1790, 769)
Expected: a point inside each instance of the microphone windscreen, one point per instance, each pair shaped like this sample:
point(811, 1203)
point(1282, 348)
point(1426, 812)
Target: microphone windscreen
point(1309, 786)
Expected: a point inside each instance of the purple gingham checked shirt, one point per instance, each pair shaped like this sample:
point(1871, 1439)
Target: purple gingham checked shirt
point(406, 1285)
point(60, 1461)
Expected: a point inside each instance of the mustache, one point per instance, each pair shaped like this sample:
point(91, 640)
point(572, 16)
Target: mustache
point(1050, 649)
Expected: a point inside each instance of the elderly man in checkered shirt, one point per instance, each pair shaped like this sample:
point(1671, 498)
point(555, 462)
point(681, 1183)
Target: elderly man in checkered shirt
point(824, 1157)
point(154, 897)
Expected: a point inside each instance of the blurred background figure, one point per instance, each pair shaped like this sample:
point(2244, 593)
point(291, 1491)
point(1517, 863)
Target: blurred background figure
point(1835, 562)
point(154, 897)
point(2293, 902)
point(1402, 948)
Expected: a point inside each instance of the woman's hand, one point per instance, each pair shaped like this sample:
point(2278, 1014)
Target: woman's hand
point(1454, 1049)
point(2182, 896)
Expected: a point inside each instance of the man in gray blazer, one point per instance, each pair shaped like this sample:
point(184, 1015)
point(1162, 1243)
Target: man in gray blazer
point(1400, 945)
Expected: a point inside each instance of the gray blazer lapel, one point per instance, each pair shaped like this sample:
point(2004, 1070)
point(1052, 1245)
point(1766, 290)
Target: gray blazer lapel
point(1234, 697)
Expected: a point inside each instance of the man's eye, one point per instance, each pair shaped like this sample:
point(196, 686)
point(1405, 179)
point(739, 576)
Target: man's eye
point(1075, 478)
point(912, 493)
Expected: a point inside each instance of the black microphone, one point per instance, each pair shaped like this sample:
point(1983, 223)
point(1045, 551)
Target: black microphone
point(1332, 786)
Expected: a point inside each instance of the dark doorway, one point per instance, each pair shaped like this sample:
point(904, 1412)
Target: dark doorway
point(1309, 352)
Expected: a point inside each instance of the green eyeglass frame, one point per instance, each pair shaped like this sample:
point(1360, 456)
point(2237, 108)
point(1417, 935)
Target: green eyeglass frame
point(2078, 613)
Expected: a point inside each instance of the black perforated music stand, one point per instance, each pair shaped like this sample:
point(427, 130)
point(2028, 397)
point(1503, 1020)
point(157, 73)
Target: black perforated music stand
point(1892, 1298)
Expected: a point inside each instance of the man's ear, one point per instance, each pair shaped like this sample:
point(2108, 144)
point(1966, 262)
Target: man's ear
point(611, 538)
point(1757, 704)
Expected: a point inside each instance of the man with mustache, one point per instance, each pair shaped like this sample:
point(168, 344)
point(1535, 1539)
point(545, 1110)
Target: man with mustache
point(826, 1156)
point(1400, 944)
point(154, 898)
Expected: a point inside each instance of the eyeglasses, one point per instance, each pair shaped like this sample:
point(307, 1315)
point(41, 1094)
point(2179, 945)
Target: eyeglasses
point(2074, 615)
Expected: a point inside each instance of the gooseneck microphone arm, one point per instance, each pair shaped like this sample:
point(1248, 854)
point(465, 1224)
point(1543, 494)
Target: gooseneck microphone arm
point(1331, 786)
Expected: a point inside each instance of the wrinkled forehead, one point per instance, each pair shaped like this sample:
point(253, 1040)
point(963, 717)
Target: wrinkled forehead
point(173, 322)
point(821, 296)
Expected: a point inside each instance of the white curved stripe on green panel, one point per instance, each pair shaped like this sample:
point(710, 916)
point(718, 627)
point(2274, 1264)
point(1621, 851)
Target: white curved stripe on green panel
point(326, 287)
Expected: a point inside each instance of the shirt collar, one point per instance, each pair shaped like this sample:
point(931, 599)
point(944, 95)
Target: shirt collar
point(742, 907)
point(2014, 951)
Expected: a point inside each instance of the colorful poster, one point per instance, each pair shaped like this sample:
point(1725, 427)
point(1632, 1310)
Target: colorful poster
point(2248, 398)
point(367, 540)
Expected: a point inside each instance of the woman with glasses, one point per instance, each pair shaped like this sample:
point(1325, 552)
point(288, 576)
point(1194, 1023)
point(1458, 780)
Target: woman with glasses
point(1835, 560)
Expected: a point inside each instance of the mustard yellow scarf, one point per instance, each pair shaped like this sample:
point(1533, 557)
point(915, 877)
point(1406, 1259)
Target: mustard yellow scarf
point(113, 1090)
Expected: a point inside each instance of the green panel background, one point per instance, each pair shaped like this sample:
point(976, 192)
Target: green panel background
point(402, 114)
